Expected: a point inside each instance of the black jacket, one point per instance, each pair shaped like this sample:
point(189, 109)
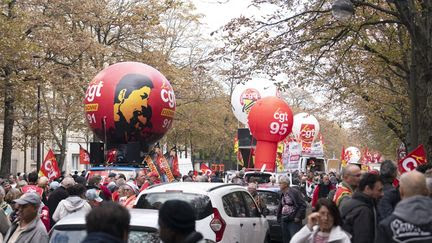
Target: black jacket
point(299, 203)
point(410, 222)
point(388, 202)
point(54, 199)
point(359, 218)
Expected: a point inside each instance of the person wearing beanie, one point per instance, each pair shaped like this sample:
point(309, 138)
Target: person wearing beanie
point(177, 223)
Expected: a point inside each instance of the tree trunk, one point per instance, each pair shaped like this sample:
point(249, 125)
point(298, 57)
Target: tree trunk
point(62, 150)
point(9, 109)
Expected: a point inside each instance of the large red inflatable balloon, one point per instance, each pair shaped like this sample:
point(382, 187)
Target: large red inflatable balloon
point(270, 121)
point(130, 102)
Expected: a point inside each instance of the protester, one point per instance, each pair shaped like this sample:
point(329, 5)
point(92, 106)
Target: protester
point(252, 189)
point(411, 220)
point(239, 178)
point(140, 178)
point(4, 206)
point(73, 203)
point(351, 177)
point(100, 226)
point(131, 191)
point(58, 195)
point(323, 225)
point(153, 179)
point(216, 177)
point(12, 195)
point(322, 190)
point(177, 223)
point(116, 194)
point(32, 184)
point(52, 186)
point(359, 212)
point(43, 183)
point(93, 198)
point(292, 209)
point(388, 173)
point(95, 183)
point(28, 228)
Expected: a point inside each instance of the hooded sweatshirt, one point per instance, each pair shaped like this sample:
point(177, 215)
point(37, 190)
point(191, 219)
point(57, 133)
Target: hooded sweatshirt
point(70, 205)
point(410, 222)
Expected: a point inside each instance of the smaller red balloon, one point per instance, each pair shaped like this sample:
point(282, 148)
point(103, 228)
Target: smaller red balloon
point(270, 121)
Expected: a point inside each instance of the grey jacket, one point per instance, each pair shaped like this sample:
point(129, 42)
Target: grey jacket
point(34, 233)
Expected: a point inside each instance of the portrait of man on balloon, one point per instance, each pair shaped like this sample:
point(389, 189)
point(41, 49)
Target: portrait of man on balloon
point(132, 112)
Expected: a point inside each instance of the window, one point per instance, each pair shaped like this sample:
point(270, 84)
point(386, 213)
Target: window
point(75, 161)
point(234, 205)
point(201, 203)
point(251, 205)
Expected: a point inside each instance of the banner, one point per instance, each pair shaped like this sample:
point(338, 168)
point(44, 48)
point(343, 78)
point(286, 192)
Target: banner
point(151, 165)
point(49, 167)
point(237, 152)
point(84, 157)
point(164, 166)
point(205, 169)
point(279, 153)
point(175, 164)
point(412, 160)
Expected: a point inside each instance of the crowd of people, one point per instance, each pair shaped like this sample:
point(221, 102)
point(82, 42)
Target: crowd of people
point(352, 206)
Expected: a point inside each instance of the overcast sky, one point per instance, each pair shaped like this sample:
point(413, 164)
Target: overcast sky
point(219, 12)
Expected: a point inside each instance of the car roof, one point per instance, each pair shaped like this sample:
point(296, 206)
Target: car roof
point(139, 217)
point(190, 187)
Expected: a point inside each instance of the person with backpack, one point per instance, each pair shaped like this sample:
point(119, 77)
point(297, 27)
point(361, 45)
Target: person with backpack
point(291, 210)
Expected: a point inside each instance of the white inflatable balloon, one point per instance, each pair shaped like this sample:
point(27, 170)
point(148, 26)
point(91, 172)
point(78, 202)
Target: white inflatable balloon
point(244, 96)
point(352, 155)
point(305, 129)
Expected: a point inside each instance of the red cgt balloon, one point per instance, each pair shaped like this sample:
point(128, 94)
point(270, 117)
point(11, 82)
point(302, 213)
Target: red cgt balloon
point(130, 102)
point(270, 121)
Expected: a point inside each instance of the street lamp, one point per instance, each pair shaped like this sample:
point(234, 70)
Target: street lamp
point(343, 10)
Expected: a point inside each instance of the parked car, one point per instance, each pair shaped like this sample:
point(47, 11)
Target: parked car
point(271, 197)
point(225, 212)
point(72, 228)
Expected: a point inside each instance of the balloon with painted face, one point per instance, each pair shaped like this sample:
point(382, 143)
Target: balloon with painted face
point(270, 121)
point(305, 130)
point(246, 95)
point(130, 102)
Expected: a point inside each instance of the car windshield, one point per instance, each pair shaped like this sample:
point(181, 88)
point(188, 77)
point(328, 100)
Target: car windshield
point(260, 178)
point(72, 236)
point(201, 203)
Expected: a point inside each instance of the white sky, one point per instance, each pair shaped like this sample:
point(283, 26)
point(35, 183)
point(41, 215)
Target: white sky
point(219, 12)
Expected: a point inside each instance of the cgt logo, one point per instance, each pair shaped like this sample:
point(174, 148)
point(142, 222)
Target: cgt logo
point(168, 97)
point(281, 117)
point(93, 91)
point(307, 132)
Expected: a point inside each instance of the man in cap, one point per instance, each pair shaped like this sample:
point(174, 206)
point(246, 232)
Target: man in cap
point(153, 179)
point(177, 223)
point(93, 198)
point(28, 228)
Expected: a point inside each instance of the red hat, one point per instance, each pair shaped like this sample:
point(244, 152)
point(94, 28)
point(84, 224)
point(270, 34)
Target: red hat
point(153, 173)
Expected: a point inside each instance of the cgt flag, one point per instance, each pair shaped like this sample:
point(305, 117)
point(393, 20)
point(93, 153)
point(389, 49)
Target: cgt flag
point(50, 167)
point(412, 160)
point(205, 169)
point(84, 157)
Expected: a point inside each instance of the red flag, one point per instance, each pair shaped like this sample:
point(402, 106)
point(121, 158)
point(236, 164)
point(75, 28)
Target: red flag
point(84, 157)
point(50, 167)
point(111, 156)
point(175, 165)
point(412, 160)
point(205, 169)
